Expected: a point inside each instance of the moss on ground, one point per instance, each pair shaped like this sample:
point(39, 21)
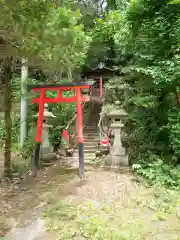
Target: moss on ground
point(150, 213)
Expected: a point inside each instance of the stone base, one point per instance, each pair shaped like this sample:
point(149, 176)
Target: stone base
point(108, 160)
point(120, 161)
point(47, 158)
point(46, 150)
point(118, 151)
point(116, 161)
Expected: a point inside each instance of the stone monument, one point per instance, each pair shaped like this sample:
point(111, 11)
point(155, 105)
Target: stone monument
point(117, 151)
point(46, 151)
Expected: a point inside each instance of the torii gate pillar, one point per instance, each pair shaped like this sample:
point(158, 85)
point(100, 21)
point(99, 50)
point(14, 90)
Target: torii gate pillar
point(78, 98)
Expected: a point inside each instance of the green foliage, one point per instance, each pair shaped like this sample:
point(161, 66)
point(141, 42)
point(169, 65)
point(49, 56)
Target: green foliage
point(88, 222)
point(106, 27)
point(52, 36)
point(174, 2)
point(66, 42)
point(3, 227)
point(174, 128)
point(102, 38)
point(63, 112)
point(28, 21)
point(156, 171)
point(146, 37)
point(15, 130)
point(29, 144)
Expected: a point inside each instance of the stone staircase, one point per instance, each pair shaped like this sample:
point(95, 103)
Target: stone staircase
point(91, 138)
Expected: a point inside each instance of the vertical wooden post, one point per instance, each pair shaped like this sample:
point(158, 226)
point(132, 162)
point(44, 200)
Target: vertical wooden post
point(23, 112)
point(80, 132)
point(39, 129)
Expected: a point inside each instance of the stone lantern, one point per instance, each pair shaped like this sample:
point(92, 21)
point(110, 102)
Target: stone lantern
point(46, 152)
point(117, 151)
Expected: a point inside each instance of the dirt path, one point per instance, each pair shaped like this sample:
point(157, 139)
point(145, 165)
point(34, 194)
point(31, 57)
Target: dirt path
point(107, 205)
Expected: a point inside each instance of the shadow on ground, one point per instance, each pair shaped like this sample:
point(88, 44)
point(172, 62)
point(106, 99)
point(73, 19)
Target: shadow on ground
point(107, 205)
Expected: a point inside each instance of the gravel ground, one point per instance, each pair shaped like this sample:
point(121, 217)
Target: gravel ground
point(24, 203)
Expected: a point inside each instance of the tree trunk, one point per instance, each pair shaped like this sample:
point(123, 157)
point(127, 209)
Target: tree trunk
point(5, 78)
point(69, 74)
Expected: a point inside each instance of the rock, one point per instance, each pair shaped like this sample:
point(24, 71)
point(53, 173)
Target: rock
point(62, 152)
point(69, 152)
point(11, 223)
point(17, 180)
point(98, 153)
point(31, 232)
point(58, 157)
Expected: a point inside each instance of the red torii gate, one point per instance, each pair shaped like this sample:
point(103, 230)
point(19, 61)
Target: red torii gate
point(78, 98)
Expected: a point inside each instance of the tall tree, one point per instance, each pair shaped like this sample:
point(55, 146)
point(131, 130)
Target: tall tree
point(5, 81)
point(43, 33)
point(20, 26)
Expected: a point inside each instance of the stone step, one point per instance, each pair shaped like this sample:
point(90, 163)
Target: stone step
point(93, 143)
point(90, 143)
point(90, 135)
point(91, 138)
point(90, 150)
point(91, 128)
point(89, 147)
point(72, 160)
point(91, 132)
point(77, 157)
point(86, 155)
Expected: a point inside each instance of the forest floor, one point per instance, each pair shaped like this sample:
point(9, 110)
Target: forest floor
point(107, 205)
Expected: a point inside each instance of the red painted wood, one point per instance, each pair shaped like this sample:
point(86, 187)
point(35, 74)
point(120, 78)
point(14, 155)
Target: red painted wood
point(59, 93)
point(55, 100)
point(79, 115)
point(40, 116)
point(60, 100)
point(65, 135)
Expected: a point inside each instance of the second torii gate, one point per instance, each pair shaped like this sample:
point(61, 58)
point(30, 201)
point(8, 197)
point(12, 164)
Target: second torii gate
point(77, 97)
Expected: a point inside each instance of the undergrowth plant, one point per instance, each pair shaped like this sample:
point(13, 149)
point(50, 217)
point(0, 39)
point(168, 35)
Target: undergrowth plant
point(146, 45)
point(89, 222)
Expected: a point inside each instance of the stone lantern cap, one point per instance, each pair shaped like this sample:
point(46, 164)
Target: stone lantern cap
point(47, 114)
point(117, 113)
